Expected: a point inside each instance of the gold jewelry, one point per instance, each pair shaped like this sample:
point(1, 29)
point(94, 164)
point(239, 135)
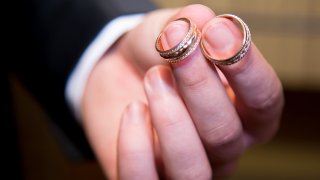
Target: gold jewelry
point(184, 48)
point(245, 43)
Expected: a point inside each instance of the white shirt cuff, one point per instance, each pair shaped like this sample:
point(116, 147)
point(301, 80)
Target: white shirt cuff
point(110, 33)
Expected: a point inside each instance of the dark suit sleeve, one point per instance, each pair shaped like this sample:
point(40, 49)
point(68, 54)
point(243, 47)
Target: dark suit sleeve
point(47, 39)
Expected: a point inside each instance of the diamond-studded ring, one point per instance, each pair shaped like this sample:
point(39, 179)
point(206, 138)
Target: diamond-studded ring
point(245, 43)
point(184, 48)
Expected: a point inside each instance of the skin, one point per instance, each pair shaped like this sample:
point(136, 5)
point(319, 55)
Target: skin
point(146, 119)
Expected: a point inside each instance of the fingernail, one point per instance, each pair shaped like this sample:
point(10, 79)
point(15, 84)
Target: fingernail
point(219, 40)
point(135, 112)
point(173, 33)
point(158, 80)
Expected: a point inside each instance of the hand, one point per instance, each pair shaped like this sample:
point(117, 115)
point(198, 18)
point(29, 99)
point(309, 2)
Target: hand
point(191, 122)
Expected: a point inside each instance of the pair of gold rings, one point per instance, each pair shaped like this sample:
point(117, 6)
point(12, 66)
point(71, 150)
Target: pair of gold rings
point(192, 39)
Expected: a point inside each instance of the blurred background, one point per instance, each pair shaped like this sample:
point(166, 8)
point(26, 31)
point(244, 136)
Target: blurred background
point(288, 34)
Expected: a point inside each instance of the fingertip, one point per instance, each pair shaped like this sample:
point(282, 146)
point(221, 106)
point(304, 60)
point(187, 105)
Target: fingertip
point(173, 33)
point(221, 38)
point(159, 80)
point(198, 13)
point(135, 157)
point(135, 113)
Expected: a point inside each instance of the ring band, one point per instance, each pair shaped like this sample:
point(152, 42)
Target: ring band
point(184, 48)
point(245, 43)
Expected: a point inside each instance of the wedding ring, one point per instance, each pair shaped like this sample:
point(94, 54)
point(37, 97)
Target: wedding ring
point(184, 48)
point(245, 43)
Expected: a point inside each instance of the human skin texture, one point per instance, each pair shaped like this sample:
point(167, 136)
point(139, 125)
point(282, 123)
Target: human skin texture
point(147, 119)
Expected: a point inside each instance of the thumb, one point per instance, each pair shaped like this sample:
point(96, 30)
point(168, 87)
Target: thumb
point(138, 46)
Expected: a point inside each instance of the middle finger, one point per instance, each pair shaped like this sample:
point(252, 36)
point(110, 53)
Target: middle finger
point(209, 105)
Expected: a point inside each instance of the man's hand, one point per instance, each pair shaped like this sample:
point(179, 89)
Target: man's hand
point(190, 120)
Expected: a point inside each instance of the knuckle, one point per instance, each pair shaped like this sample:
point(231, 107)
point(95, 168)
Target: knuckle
point(195, 81)
point(172, 123)
point(223, 134)
point(267, 101)
point(224, 142)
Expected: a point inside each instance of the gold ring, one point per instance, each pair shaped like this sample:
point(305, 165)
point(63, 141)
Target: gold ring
point(184, 48)
point(245, 43)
